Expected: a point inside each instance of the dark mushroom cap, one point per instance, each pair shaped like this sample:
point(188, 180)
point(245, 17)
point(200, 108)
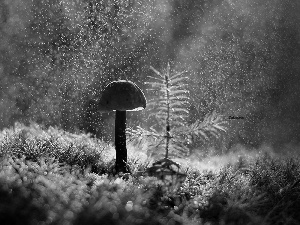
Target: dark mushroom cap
point(122, 95)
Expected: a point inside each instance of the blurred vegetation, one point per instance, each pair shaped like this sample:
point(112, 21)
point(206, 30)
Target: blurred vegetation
point(43, 181)
point(241, 58)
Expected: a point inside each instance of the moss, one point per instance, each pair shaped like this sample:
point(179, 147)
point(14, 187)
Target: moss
point(45, 181)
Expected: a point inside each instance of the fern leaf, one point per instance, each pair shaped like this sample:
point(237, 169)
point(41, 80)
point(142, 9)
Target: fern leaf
point(201, 133)
point(174, 104)
point(219, 127)
point(179, 110)
point(179, 98)
point(155, 79)
point(212, 125)
point(181, 92)
point(174, 81)
point(162, 108)
point(155, 84)
point(156, 71)
point(176, 75)
point(174, 88)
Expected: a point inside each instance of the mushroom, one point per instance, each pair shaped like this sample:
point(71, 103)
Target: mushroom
point(121, 96)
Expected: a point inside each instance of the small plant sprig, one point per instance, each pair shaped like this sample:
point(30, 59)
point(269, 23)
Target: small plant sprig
point(170, 110)
point(211, 126)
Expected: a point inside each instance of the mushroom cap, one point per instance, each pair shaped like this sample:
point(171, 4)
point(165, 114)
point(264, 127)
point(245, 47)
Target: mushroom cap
point(122, 95)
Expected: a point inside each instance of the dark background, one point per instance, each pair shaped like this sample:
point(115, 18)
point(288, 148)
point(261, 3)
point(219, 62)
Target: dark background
point(242, 58)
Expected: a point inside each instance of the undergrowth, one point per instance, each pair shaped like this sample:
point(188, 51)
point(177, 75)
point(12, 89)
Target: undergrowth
point(48, 176)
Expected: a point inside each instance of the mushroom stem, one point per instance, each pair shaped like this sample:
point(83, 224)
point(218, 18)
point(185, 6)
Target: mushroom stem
point(120, 141)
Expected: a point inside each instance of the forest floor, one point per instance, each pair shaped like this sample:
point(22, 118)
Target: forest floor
point(48, 176)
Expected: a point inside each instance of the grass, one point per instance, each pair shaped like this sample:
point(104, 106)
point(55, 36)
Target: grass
point(48, 176)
